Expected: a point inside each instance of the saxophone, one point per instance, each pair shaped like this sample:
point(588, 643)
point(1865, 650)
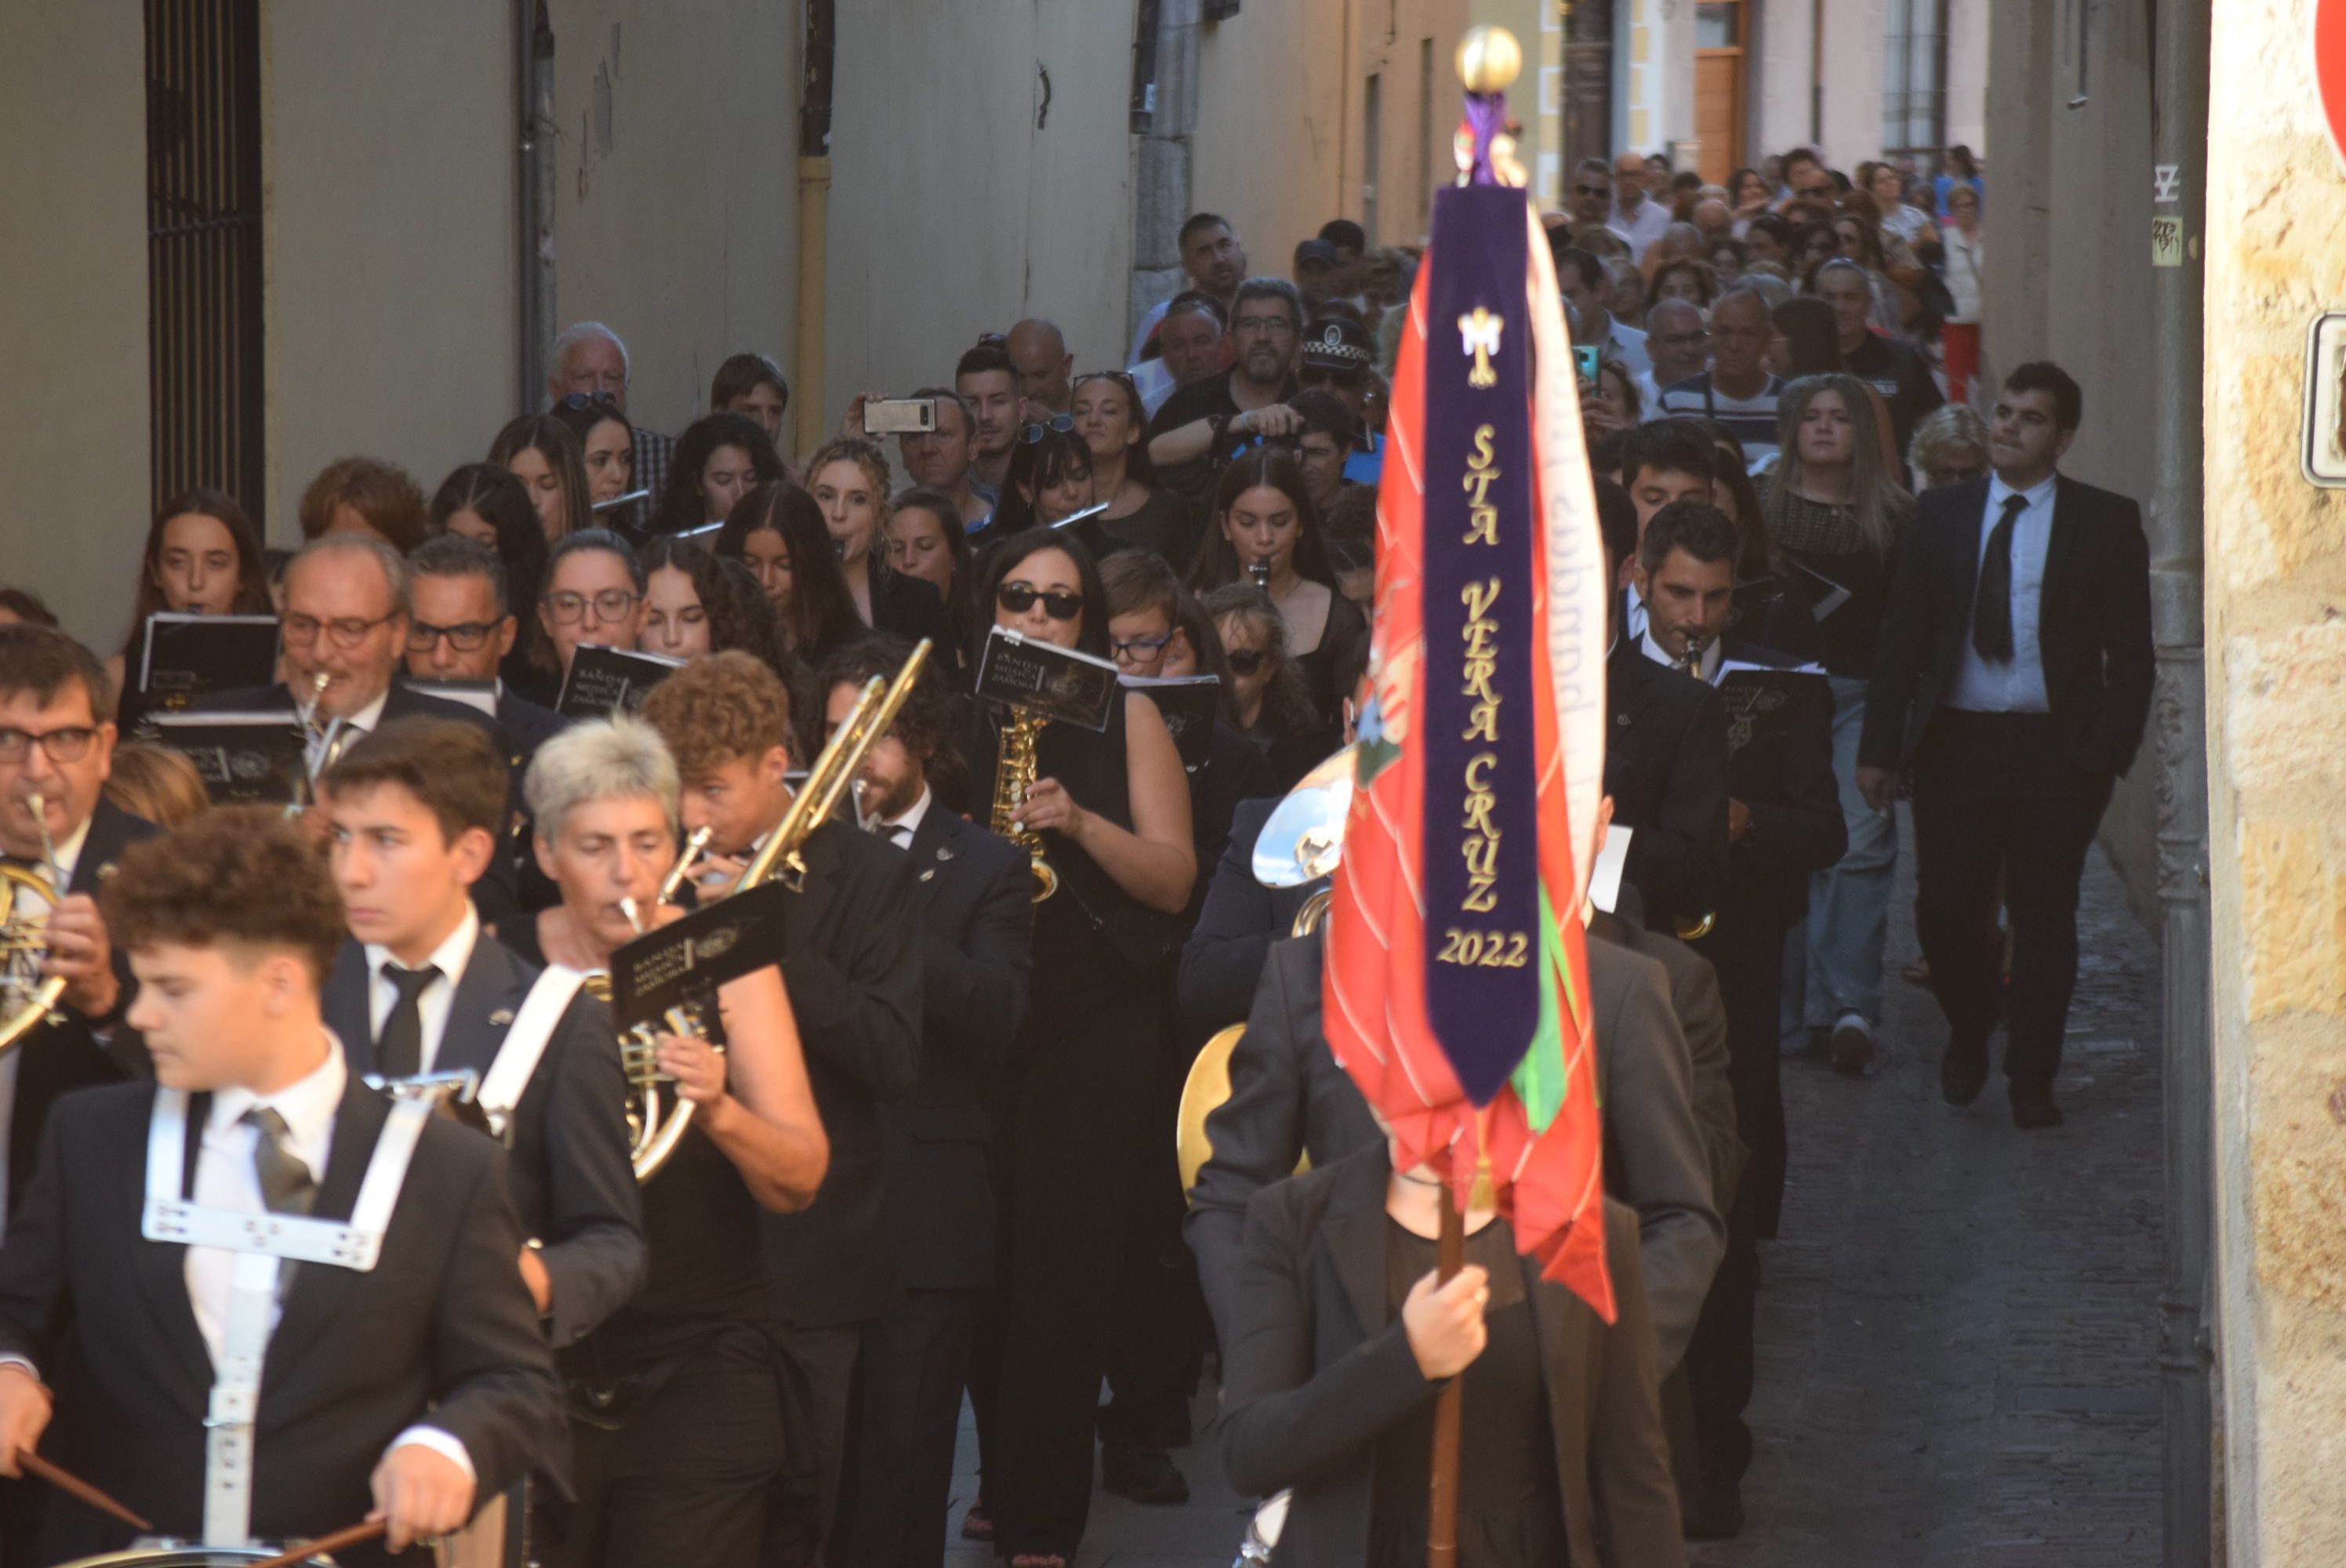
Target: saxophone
point(1014, 774)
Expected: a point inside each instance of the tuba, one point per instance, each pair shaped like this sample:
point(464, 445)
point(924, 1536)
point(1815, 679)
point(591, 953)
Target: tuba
point(27, 998)
point(1014, 774)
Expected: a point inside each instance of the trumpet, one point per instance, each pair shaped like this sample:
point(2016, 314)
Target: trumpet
point(28, 997)
point(1014, 774)
point(319, 751)
point(1690, 661)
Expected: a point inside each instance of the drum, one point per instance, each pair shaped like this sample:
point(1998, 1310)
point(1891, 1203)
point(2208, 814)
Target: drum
point(167, 1553)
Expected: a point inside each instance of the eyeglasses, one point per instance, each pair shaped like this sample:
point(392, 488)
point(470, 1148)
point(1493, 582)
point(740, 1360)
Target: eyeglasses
point(70, 744)
point(1020, 598)
point(348, 633)
point(1245, 661)
point(584, 401)
point(1683, 340)
point(610, 605)
point(469, 637)
point(1136, 649)
point(1062, 422)
point(1593, 190)
point(1261, 326)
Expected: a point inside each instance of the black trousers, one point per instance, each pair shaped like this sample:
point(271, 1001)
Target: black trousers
point(1157, 1349)
point(1747, 953)
point(797, 1521)
point(686, 1476)
point(901, 1432)
point(2034, 816)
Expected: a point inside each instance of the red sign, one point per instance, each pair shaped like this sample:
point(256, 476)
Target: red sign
point(2330, 68)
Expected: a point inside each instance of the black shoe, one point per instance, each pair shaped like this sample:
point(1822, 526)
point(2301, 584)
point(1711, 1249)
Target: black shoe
point(2033, 1110)
point(1143, 1474)
point(1963, 1071)
point(1711, 1512)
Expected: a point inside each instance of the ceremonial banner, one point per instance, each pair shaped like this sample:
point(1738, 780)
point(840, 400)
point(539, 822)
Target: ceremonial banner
point(1456, 989)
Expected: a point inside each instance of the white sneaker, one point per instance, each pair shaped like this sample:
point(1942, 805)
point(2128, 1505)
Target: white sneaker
point(1852, 1044)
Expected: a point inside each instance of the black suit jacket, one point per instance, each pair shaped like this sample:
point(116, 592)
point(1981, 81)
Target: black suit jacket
point(57, 1057)
point(1783, 775)
point(1665, 768)
point(573, 1184)
point(1317, 1367)
point(851, 946)
point(441, 1329)
point(977, 945)
point(1222, 960)
point(2093, 626)
point(1288, 1097)
point(909, 607)
point(1702, 1017)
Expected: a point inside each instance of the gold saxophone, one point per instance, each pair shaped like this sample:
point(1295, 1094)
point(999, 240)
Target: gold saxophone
point(1014, 774)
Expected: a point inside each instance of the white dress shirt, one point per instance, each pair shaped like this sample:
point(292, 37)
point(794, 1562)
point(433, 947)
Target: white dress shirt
point(1633, 611)
point(433, 1005)
point(900, 831)
point(1627, 344)
point(2017, 686)
point(1709, 667)
point(1641, 227)
point(29, 903)
point(226, 1179)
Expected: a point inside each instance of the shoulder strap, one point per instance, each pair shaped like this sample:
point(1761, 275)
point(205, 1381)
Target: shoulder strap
point(533, 1030)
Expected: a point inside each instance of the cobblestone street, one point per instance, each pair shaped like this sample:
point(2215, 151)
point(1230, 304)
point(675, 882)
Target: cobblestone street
point(1958, 1331)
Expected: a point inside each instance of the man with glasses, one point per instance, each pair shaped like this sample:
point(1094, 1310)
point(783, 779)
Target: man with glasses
point(1202, 424)
point(1639, 223)
point(1592, 194)
point(1807, 179)
point(464, 628)
point(1737, 392)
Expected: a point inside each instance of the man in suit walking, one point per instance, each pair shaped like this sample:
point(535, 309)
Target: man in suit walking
point(405, 1386)
point(2014, 682)
point(1783, 823)
point(417, 809)
point(851, 962)
point(977, 941)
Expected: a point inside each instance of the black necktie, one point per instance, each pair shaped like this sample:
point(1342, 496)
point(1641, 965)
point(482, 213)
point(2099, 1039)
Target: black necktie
point(287, 1185)
point(1992, 611)
point(399, 1052)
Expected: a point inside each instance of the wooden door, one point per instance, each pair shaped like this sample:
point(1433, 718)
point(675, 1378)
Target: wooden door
point(1719, 88)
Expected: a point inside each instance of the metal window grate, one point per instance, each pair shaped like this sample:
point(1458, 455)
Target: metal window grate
point(203, 245)
point(1914, 81)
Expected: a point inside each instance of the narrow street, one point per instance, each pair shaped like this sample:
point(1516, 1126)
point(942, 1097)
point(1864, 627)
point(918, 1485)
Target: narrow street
point(1958, 1331)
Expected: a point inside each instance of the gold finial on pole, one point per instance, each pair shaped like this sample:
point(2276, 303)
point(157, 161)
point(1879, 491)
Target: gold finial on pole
point(1489, 60)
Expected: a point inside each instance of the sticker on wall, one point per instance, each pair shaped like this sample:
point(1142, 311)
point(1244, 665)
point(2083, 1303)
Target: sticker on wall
point(2323, 455)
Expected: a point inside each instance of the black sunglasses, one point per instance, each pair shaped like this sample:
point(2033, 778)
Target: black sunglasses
point(1245, 661)
point(1019, 597)
point(995, 339)
point(1032, 434)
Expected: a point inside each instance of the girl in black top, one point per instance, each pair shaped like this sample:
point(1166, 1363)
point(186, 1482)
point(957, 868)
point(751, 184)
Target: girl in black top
point(848, 480)
point(1264, 695)
point(1114, 425)
point(1835, 508)
point(1265, 526)
point(719, 458)
point(777, 532)
point(1113, 811)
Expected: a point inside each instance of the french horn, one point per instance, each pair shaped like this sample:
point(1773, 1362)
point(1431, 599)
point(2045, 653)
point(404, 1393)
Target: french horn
point(28, 997)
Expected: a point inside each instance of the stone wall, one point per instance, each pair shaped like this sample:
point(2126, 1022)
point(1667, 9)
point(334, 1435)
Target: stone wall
point(2276, 593)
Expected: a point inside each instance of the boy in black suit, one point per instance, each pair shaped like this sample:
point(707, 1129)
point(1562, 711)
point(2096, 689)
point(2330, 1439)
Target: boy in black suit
point(402, 1379)
point(2012, 680)
point(976, 947)
point(417, 811)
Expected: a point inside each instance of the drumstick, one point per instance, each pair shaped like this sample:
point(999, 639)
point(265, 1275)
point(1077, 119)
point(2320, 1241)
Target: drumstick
point(325, 1543)
point(34, 1464)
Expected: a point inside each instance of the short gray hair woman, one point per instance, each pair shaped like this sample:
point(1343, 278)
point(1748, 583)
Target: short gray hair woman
point(604, 758)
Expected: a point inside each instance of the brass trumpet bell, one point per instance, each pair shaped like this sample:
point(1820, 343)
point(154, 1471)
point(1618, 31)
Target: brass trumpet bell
point(1304, 837)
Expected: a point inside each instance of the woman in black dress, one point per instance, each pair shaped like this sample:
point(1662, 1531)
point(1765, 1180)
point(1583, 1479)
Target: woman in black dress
point(1114, 425)
point(1265, 526)
point(1113, 811)
point(776, 533)
point(850, 481)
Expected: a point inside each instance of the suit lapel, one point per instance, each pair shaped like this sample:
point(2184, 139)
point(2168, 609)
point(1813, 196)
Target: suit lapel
point(110, 832)
point(161, 1267)
point(344, 1005)
point(314, 1298)
point(1355, 1226)
point(488, 997)
point(933, 848)
point(1561, 1322)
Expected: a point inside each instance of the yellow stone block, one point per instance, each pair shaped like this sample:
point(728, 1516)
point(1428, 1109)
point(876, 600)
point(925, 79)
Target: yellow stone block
point(2293, 917)
point(2286, 692)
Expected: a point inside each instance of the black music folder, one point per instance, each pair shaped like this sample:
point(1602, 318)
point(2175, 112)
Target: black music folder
point(182, 657)
point(1060, 683)
point(604, 680)
point(245, 758)
point(1189, 705)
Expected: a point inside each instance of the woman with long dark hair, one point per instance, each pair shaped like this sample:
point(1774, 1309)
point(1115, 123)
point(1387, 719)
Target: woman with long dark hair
point(1836, 508)
point(202, 557)
point(1048, 480)
point(777, 532)
point(543, 454)
point(1264, 526)
point(1264, 695)
point(719, 458)
point(606, 445)
point(692, 610)
point(1114, 425)
point(485, 502)
point(926, 541)
point(1113, 811)
point(850, 481)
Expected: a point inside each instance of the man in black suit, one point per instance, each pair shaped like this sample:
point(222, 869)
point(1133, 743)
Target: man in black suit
point(412, 1385)
point(851, 961)
point(1289, 1098)
point(417, 810)
point(2012, 682)
point(976, 947)
point(348, 610)
point(1664, 755)
point(1784, 822)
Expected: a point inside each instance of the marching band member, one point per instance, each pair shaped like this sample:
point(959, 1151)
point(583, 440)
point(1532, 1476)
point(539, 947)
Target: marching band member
point(850, 956)
point(417, 810)
point(678, 1405)
point(405, 1375)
